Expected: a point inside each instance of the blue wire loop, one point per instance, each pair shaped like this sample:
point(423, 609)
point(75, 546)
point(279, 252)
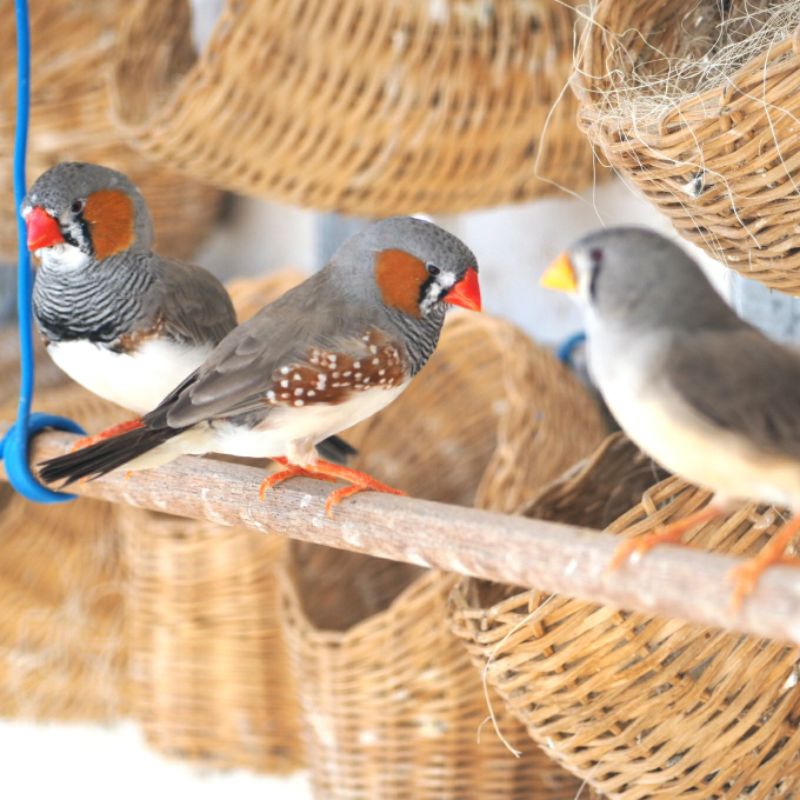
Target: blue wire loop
point(14, 446)
point(568, 347)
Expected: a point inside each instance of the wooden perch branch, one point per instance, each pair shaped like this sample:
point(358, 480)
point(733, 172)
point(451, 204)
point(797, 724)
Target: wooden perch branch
point(672, 582)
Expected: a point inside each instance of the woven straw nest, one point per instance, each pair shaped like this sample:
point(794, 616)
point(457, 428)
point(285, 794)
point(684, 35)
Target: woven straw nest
point(391, 705)
point(63, 652)
point(637, 706)
point(366, 108)
point(210, 680)
point(697, 103)
point(72, 45)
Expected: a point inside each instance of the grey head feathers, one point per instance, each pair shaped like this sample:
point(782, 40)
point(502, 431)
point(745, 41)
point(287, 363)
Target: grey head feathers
point(63, 190)
point(445, 256)
point(642, 280)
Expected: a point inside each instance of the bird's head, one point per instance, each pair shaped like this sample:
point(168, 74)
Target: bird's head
point(633, 276)
point(76, 212)
point(413, 266)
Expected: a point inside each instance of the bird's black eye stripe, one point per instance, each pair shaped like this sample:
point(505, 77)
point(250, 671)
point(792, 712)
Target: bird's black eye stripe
point(596, 257)
point(432, 269)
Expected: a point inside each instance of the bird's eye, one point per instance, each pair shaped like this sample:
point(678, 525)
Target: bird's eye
point(432, 269)
point(596, 255)
point(77, 206)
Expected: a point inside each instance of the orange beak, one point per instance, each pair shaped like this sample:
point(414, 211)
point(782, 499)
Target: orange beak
point(467, 292)
point(43, 230)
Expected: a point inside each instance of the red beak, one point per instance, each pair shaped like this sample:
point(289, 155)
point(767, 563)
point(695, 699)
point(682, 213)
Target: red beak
point(43, 230)
point(467, 292)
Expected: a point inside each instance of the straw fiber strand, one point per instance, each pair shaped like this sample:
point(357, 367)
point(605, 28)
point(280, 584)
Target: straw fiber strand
point(697, 103)
point(637, 706)
point(72, 46)
point(62, 579)
point(366, 108)
point(391, 704)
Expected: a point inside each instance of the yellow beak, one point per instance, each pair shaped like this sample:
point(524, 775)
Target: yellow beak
point(560, 276)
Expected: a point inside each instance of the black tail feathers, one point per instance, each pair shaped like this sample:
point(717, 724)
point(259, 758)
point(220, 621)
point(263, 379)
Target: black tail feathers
point(336, 449)
point(98, 459)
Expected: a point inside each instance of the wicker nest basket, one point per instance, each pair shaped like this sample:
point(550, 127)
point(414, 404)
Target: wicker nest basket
point(209, 676)
point(639, 707)
point(365, 108)
point(72, 46)
point(391, 704)
point(697, 102)
point(62, 580)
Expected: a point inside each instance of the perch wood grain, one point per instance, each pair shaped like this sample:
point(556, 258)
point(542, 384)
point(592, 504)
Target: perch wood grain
point(564, 559)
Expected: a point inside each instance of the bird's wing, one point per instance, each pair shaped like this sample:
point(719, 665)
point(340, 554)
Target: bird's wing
point(296, 351)
point(742, 382)
point(200, 309)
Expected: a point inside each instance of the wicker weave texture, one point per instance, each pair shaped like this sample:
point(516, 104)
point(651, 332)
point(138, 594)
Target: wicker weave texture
point(72, 45)
point(362, 107)
point(62, 580)
point(210, 680)
point(209, 671)
point(637, 706)
point(392, 707)
point(714, 146)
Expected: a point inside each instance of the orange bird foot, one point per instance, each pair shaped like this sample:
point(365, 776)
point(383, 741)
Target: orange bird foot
point(670, 534)
point(326, 471)
point(745, 577)
point(108, 433)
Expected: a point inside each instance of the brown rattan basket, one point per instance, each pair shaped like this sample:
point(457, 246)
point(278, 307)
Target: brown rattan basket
point(62, 583)
point(366, 108)
point(209, 679)
point(391, 705)
point(71, 49)
point(208, 664)
point(392, 708)
point(639, 707)
point(696, 102)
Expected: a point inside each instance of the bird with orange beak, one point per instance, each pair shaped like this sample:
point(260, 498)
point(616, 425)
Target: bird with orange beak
point(126, 323)
point(327, 354)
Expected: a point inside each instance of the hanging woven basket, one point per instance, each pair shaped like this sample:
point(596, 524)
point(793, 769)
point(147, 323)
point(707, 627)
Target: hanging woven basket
point(210, 680)
point(697, 104)
point(209, 675)
point(360, 107)
point(637, 706)
point(62, 581)
point(391, 706)
point(71, 49)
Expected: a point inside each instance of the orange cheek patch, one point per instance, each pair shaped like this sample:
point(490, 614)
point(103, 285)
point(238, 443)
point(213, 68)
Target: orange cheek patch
point(110, 216)
point(400, 276)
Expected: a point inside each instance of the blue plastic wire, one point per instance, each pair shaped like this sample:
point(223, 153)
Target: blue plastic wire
point(14, 446)
point(567, 347)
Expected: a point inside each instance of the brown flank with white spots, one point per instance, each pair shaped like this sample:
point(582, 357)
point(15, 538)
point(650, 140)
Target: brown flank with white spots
point(328, 377)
